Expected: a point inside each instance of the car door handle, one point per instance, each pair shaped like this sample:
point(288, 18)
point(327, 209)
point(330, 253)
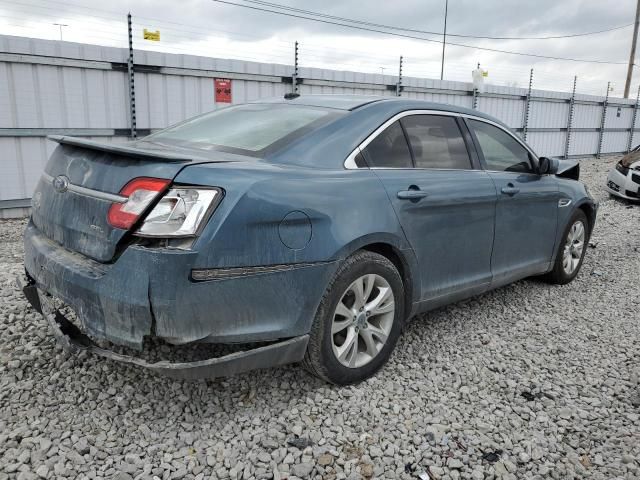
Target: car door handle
point(412, 194)
point(510, 190)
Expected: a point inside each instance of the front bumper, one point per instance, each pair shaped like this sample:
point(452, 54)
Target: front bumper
point(624, 186)
point(74, 341)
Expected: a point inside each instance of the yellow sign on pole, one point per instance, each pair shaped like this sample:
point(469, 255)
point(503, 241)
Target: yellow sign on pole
point(153, 36)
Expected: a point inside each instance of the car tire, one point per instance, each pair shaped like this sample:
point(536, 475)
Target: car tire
point(560, 275)
point(329, 336)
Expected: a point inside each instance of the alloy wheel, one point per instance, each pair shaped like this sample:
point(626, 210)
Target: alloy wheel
point(362, 320)
point(573, 248)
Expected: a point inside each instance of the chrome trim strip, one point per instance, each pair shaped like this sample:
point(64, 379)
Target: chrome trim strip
point(88, 192)
point(350, 162)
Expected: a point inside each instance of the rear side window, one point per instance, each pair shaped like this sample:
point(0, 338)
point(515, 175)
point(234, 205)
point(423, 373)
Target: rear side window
point(501, 151)
point(389, 149)
point(436, 142)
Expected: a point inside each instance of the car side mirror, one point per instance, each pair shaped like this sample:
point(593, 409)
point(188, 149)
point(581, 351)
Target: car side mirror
point(547, 166)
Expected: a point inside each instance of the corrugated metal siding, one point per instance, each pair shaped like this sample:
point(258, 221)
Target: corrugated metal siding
point(584, 143)
point(587, 116)
point(61, 85)
point(551, 143)
point(548, 114)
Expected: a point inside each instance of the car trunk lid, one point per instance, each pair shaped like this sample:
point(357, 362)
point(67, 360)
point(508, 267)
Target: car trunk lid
point(80, 183)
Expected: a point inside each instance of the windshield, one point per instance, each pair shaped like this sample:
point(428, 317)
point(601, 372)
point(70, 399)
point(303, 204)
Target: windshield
point(250, 128)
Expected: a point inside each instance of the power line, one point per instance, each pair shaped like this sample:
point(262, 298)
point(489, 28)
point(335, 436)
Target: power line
point(508, 52)
point(391, 27)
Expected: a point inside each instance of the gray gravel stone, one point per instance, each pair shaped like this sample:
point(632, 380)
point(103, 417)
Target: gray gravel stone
point(548, 376)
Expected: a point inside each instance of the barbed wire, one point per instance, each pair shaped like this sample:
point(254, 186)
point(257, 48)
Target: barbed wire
point(109, 29)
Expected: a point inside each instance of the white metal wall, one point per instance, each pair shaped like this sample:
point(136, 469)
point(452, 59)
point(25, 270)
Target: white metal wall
point(49, 87)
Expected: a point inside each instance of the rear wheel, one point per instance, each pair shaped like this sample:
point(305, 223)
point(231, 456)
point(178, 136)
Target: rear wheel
point(358, 321)
point(572, 250)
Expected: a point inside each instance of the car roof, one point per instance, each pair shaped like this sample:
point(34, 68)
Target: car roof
point(330, 145)
point(354, 102)
point(340, 102)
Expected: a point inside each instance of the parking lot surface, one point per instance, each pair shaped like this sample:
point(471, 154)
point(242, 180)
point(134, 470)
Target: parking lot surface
point(528, 381)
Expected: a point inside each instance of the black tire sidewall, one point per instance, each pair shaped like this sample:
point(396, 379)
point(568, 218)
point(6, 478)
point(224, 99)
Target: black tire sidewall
point(367, 263)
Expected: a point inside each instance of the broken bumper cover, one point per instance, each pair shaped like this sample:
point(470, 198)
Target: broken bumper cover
point(149, 293)
point(74, 341)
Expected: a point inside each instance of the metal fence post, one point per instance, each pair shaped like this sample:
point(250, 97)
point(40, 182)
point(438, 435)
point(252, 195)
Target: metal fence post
point(603, 120)
point(132, 88)
point(633, 121)
point(476, 93)
point(294, 77)
point(572, 103)
point(527, 108)
point(399, 84)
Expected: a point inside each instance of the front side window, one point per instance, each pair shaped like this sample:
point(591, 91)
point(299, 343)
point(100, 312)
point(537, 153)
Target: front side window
point(389, 149)
point(436, 142)
point(501, 151)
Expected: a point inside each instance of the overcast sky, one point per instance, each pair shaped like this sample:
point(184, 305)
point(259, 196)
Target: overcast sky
point(215, 29)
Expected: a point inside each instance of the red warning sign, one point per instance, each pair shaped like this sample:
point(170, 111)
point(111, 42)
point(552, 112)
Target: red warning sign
point(223, 90)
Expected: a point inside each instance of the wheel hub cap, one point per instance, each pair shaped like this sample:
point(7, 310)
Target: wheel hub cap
point(361, 320)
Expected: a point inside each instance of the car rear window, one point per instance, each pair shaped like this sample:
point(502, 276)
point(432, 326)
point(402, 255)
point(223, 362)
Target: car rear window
point(250, 128)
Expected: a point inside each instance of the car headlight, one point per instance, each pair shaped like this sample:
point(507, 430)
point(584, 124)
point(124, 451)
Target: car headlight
point(623, 169)
point(180, 212)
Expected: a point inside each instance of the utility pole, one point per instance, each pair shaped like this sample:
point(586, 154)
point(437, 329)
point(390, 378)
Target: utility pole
point(444, 35)
point(60, 25)
point(632, 57)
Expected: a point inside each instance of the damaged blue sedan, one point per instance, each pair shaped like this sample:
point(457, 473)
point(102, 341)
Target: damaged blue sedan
point(307, 228)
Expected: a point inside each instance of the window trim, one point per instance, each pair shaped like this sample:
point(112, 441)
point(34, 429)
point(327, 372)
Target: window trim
point(350, 164)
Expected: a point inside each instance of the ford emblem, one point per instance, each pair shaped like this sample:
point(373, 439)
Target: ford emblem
point(61, 183)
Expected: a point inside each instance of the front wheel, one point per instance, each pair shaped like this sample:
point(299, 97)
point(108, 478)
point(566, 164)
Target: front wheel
point(572, 250)
point(358, 321)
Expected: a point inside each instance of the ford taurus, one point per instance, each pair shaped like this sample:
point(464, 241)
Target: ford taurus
point(306, 229)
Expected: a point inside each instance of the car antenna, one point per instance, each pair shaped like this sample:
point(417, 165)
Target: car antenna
point(291, 96)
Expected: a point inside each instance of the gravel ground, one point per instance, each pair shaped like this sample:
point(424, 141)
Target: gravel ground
point(529, 381)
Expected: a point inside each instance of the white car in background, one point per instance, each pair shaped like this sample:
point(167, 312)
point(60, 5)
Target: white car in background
point(624, 180)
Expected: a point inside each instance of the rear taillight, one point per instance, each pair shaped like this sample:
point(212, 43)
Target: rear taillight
point(140, 192)
point(181, 212)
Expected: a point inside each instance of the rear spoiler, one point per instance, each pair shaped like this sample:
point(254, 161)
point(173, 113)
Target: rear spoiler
point(140, 153)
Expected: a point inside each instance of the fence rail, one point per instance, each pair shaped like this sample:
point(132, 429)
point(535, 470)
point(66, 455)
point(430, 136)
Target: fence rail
point(51, 87)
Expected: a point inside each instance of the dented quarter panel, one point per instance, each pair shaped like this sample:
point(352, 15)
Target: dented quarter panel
point(243, 230)
point(116, 302)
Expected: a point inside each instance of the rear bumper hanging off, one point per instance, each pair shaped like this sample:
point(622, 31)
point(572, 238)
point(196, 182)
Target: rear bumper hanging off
point(74, 341)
